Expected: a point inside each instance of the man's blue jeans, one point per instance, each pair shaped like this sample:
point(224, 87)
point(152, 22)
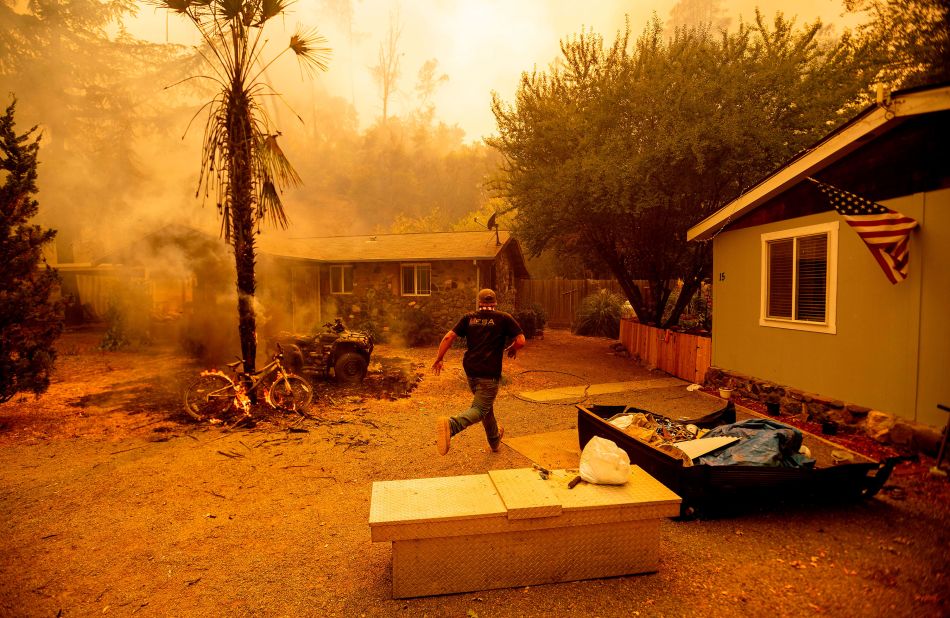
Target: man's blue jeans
point(482, 409)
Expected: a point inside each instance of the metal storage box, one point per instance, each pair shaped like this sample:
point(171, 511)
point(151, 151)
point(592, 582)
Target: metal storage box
point(512, 528)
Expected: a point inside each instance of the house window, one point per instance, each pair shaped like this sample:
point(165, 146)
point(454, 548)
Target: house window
point(341, 279)
point(416, 279)
point(799, 278)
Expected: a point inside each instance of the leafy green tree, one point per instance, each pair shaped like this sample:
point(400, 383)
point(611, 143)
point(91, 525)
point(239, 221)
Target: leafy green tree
point(909, 38)
point(614, 152)
point(30, 320)
point(241, 162)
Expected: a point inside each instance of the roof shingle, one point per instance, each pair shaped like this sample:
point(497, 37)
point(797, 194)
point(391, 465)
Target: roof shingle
point(435, 246)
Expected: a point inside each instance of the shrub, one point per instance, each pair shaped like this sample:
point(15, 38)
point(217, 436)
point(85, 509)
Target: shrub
point(528, 321)
point(532, 320)
point(420, 328)
point(127, 316)
point(599, 315)
point(540, 316)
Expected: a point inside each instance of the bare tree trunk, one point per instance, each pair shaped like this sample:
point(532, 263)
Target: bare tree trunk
point(701, 257)
point(627, 284)
point(387, 71)
point(686, 294)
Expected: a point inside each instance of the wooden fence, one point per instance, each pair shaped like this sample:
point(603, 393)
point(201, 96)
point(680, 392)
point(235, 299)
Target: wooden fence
point(560, 297)
point(684, 356)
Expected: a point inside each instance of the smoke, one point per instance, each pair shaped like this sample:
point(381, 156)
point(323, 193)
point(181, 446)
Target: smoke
point(120, 155)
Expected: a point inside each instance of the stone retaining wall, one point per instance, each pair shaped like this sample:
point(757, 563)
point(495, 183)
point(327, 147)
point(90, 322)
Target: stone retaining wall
point(881, 426)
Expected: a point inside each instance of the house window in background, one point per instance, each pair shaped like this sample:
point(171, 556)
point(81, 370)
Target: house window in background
point(799, 278)
point(341, 279)
point(416, 279)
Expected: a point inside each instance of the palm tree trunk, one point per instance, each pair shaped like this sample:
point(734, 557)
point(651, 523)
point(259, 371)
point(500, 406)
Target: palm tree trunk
point(242, 220)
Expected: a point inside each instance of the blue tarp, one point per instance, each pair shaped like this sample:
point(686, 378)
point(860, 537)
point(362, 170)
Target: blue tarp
point(762, 442)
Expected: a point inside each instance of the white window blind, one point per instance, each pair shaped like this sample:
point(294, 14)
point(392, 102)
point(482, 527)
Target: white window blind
point(798, 269)
point(799, 278)
point(812, 266)
point(781, 278)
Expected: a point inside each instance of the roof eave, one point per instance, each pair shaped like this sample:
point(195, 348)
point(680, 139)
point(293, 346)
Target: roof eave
point(871, 123)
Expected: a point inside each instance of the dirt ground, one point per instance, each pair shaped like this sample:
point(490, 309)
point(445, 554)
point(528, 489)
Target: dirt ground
point(114, 503)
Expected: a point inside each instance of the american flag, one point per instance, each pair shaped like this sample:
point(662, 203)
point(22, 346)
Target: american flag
point(884, 231)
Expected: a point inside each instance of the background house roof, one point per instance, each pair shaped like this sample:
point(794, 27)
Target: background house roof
point(869, 125)
point(436, 246)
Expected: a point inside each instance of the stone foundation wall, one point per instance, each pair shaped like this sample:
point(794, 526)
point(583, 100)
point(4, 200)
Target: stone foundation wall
point(881, 426)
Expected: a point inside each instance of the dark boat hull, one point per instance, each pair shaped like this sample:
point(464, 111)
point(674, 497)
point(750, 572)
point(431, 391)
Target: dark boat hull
point(710, 488)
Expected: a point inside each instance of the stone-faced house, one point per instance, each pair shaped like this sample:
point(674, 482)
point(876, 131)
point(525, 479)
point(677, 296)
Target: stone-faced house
point(374, 280)
point(803, 311)
point(387, 283)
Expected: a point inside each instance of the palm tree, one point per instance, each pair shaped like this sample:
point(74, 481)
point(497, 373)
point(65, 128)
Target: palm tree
point(241, 164)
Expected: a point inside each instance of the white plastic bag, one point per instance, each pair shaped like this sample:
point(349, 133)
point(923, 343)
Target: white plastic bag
point(604, 463)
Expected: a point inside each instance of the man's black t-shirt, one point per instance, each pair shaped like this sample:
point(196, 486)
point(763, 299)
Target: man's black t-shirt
point(485, 331)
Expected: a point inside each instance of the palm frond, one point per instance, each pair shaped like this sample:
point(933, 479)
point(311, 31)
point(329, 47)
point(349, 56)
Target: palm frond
point(270, 207)
point(271, 8)
point(311, 49)
point(178, 6)
point(276, 163)
point(229, 10)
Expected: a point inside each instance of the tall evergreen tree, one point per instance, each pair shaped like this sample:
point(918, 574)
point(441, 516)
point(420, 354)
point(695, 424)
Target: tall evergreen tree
point(30, 320)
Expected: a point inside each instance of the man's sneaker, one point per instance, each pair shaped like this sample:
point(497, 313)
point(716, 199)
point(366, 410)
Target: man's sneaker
point(443, 434)
point(501, 434)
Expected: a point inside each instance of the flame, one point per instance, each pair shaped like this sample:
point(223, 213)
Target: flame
point(241, 400)
point(214, 372)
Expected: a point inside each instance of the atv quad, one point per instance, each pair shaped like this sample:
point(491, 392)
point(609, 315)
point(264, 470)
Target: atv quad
point(344, 352)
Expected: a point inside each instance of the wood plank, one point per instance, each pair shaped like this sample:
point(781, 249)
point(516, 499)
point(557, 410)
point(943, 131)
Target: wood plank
point(703, 358)
point(525, 494)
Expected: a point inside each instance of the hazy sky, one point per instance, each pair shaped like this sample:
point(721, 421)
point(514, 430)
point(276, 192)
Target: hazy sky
point(481, 45)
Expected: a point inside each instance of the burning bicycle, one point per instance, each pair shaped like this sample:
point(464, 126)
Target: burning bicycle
point(215, 395)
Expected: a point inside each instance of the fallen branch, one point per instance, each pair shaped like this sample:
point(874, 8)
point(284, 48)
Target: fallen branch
point(134, 448)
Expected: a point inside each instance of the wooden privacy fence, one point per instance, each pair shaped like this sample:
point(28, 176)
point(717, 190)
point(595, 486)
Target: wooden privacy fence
point(560, 297)
point(684, 356)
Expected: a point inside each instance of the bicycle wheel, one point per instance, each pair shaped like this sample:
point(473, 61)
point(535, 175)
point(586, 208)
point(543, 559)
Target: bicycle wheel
point(209, 396)
point(290, 393)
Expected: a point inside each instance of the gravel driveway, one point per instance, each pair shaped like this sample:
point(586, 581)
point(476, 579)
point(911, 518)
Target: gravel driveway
point(125, 508)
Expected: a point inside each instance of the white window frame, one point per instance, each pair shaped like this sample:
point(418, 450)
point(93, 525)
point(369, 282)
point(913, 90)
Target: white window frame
point(829, 326)
point(338, 270)
point(415, 278)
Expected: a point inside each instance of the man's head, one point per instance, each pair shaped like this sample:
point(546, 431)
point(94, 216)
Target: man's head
point(486, 299)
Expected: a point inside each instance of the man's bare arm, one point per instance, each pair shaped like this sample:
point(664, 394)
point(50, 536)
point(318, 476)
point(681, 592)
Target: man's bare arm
point(516, 345)
point(444, 346)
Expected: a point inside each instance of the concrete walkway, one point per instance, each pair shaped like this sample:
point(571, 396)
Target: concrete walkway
point(575, 392)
